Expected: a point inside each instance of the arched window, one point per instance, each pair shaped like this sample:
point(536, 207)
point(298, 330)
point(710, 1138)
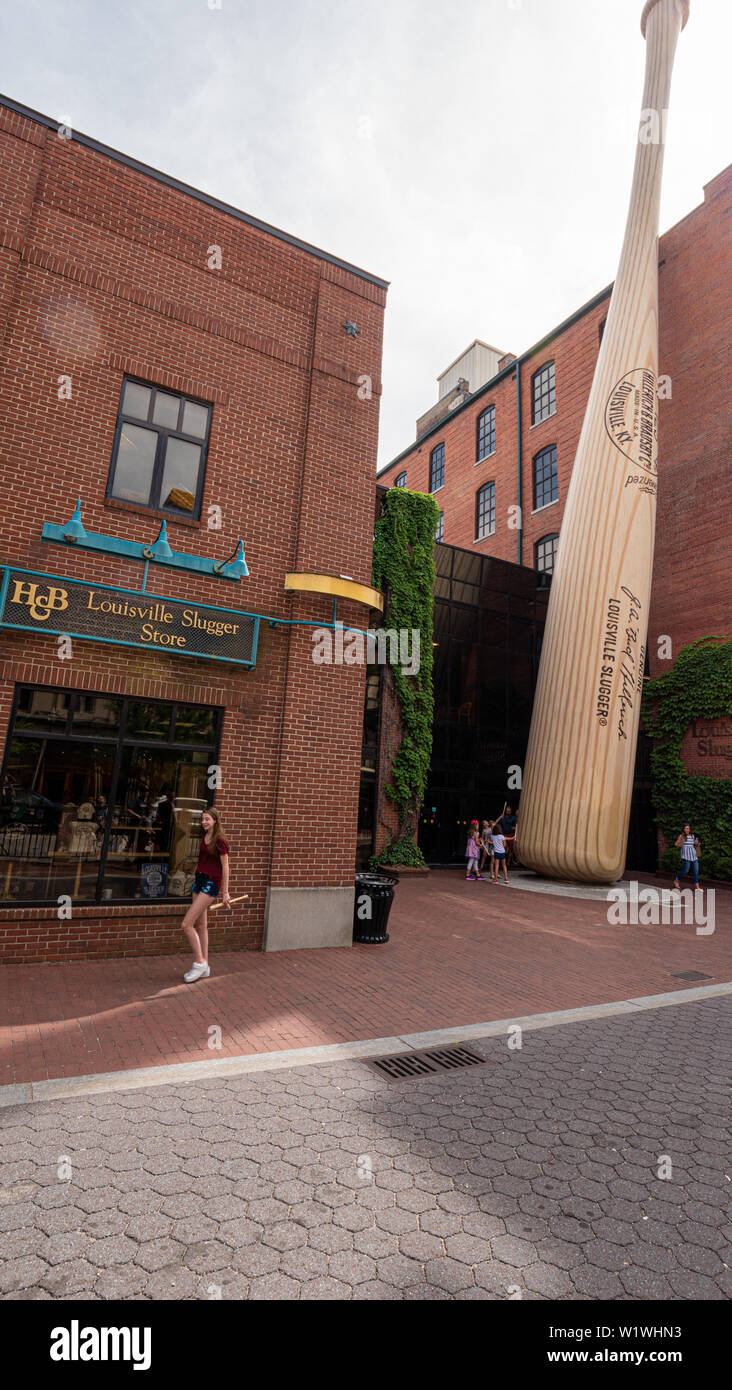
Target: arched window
point(437, 468)
point(400, 480)
point(546, 485)
point(545, 553)
point(486, 434)
point(543, 393)
point(485, 511)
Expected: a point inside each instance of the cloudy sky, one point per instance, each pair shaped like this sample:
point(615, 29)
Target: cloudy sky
point(477, 155)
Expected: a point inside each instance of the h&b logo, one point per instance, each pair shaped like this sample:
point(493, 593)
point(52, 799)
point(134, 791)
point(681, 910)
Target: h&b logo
point(41, 605)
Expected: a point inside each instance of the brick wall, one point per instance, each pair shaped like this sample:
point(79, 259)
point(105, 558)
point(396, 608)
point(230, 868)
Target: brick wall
point(692, 586)
point(706, 748)
point(103, 270)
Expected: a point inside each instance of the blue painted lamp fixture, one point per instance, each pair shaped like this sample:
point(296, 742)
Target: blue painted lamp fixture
point(73, 530)
point(161, 549)
point(159, 553)
point(235, 567)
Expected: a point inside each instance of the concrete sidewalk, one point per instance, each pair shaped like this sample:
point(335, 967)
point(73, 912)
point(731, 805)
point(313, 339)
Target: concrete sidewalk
point(460, 954)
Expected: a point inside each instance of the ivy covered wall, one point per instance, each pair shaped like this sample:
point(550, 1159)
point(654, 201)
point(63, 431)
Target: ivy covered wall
point(698, 687)
point(404, 568)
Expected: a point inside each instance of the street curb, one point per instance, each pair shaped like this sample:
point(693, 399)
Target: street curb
point(64, 1088)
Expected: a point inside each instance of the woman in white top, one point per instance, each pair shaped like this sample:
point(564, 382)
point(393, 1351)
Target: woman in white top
point(688, 844)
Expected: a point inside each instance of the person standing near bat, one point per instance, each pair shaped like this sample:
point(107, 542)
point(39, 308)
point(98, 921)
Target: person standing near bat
point(486, 842)
point(690, 847)
point(472, 851)
point(211, 878)
point(507, 823)
point(499, 853)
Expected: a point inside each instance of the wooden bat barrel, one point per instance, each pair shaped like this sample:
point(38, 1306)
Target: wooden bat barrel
point(578, 776)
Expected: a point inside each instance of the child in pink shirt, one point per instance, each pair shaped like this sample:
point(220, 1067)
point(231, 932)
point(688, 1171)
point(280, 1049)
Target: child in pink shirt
point(472, 851)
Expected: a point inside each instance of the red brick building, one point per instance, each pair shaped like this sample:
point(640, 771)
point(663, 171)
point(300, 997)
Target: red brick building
point(492, 446)
point(170, 359)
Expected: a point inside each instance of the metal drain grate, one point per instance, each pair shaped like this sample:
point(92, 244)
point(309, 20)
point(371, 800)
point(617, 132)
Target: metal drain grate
point(691, 975)
point(404, 1064)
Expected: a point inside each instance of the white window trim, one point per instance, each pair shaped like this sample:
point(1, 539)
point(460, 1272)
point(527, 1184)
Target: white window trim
point(486, 537)
point(544, 506)
point(432, 491)
point(483, 459)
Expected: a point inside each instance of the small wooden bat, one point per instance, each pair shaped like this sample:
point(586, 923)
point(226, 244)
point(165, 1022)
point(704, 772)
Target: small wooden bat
point(231, 902)
point(578, 777)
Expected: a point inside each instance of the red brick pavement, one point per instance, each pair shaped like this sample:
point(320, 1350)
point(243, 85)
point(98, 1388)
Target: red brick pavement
point(459, 953)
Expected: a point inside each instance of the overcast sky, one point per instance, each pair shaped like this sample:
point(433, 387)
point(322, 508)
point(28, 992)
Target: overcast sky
point(478, 155)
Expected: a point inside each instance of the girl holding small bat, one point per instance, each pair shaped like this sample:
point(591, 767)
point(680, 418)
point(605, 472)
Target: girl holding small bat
point(212, 877)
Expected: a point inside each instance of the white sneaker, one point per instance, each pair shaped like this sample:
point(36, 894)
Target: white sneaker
point(196, 972)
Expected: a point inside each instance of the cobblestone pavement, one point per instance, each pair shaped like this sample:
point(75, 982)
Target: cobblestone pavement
point(534, 1175)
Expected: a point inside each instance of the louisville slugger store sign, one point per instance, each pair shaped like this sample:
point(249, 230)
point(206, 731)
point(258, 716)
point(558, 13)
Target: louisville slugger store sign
point(47, 603)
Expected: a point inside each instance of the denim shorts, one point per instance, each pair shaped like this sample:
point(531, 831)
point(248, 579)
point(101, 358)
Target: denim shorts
point(203, 884)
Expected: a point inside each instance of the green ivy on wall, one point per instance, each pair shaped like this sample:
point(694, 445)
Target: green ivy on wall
point(404, 567)
point(698, 687)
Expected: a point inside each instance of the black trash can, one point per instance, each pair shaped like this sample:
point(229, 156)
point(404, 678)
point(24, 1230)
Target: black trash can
point(372, 905)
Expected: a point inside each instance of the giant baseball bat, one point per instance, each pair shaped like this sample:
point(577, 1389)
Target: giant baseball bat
point(578, 777)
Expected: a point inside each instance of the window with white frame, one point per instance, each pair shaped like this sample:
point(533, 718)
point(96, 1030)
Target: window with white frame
point(546, 483)
point(437, 468)
point(543, 393)
point(485, 511)
point(486, 434)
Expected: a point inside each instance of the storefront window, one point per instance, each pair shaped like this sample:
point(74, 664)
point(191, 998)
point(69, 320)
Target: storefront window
point(194, 725)
point(101, 797)
point(95, 714)
point(149, 721)
point(42, 710)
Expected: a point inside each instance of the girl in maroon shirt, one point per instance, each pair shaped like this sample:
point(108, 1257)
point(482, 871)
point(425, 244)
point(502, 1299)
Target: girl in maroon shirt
point(212, 877)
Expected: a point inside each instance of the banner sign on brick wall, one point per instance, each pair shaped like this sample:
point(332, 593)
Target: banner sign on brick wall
point(127, 618)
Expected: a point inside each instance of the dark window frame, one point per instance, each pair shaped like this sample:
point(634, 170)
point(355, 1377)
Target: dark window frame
point(437, 466)
point(488, 489)
point(539, 393)
point(163, 433)
point(120, 740)
point(440, 532)
point(400, 480)
point(551, 478)
point(552, 536)
point(482, 430)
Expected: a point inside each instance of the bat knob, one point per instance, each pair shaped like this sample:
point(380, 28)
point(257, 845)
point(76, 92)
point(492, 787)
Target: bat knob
point(681, 5)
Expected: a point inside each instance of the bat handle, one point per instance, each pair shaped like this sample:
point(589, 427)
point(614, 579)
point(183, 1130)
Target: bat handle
point(682, 5)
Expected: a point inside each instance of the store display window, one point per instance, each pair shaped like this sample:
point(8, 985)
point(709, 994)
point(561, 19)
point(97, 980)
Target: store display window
point(101, 796)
